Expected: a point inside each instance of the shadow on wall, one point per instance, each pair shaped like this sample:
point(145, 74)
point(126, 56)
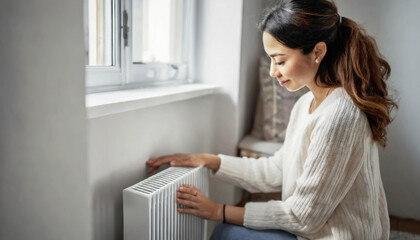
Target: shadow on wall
point(107, 204)
point(108, 201)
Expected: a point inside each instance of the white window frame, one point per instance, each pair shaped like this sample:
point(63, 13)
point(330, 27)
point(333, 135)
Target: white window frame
point(127, 75)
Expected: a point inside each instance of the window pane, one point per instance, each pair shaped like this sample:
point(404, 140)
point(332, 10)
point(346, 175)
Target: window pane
point(100, 33)
point(157, 31)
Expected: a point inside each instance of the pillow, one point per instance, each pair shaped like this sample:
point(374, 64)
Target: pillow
point(273, 107)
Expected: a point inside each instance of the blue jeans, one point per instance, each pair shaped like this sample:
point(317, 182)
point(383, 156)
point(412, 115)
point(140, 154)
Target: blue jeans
point(234, 232)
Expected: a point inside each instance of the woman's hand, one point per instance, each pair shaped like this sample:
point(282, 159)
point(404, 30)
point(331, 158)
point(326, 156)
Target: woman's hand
point(199, 205)
point(185, 160)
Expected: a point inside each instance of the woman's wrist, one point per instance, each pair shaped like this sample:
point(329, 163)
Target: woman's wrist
point(229, 214)
point(218, 213)
point(212, 161)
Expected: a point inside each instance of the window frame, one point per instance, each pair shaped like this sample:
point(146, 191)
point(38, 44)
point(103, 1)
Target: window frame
point(127, 75)
point(100, 76)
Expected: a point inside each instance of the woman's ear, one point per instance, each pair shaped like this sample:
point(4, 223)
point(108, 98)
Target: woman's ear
point(319, 51)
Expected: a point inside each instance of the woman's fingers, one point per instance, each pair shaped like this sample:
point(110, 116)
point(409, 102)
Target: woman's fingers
point(189, 195)
point(188, 211)
point(174, 159)
point(189, 189)
point(152, 169)
point(155, 163)
point(187, 203)
point(199, 205)
point(186, 196)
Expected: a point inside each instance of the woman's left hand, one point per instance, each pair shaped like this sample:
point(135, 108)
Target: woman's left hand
point(199, 204)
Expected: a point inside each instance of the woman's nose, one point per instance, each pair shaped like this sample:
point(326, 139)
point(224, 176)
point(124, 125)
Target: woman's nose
point(274, 72)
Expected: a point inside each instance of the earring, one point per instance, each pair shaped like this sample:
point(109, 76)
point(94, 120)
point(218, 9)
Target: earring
point(316, 61)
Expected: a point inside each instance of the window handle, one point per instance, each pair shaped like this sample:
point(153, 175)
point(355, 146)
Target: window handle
point(125, 28)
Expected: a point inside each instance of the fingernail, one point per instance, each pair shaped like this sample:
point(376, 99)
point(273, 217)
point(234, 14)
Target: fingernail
point(172, 163)
point(181, 188)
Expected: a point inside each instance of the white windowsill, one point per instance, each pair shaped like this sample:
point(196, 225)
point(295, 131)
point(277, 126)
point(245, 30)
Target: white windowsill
point(107, 103)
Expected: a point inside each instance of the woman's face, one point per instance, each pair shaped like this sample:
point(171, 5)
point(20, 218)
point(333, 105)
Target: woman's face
point(292, 69)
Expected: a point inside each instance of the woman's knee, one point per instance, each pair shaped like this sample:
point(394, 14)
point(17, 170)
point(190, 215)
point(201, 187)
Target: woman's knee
point(227, 231)
point(234, 232)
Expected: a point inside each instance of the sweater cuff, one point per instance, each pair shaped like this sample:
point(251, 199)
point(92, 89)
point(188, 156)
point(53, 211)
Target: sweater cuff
point(230, 167)
point(271, 215)
point(255, 216)
point(268, 215)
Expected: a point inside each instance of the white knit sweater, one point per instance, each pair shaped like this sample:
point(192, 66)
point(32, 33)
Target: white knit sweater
point(327, 170)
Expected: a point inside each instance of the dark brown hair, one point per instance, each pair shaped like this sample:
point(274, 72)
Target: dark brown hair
point(352, 61)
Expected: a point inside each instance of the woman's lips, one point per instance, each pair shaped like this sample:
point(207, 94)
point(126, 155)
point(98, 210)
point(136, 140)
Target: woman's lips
point(283, 83)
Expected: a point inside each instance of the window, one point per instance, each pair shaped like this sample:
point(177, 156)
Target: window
point(134, 43)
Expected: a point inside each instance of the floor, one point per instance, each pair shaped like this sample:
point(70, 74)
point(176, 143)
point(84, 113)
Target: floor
point(398, 235)
point(402, 229)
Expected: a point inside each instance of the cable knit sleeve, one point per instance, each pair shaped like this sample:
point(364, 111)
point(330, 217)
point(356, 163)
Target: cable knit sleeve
point(334, 159)
point(254, 175)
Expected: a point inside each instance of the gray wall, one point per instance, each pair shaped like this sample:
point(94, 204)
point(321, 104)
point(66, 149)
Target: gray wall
point(396, 27)
point(251, 50)
point(43, 162)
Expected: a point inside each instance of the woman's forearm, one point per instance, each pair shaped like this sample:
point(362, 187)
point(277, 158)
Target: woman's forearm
point(233, 214)
point(212, 161)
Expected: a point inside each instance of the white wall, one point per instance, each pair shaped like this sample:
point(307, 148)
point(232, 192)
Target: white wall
point(120, 144)
point(218, 61)
point(56, 183)
point(43, 162)
point(396, 27)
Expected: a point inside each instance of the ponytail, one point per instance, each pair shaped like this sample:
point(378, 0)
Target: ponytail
point(361, 70)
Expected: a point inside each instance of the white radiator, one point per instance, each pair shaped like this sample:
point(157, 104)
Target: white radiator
point(150, 208)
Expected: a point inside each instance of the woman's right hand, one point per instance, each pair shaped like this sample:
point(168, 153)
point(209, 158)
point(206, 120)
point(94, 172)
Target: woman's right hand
point(185, 160)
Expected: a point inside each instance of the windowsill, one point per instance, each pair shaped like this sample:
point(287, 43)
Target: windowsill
point(108, 103)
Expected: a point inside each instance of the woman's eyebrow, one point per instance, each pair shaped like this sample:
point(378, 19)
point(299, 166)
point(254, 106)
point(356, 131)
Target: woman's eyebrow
point(277, 54)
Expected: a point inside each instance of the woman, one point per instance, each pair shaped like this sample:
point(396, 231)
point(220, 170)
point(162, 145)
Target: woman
point(328, 167)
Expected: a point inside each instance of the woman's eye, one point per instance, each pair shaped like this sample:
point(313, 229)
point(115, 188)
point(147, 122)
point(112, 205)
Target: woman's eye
point(279, 63)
